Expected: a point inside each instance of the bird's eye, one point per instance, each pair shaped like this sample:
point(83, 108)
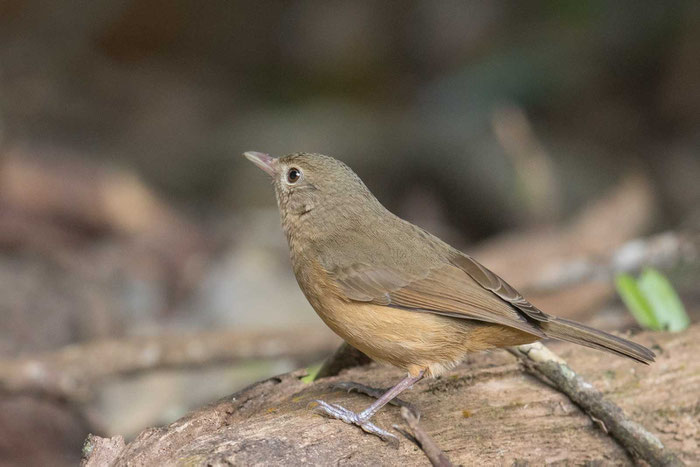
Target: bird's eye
point(293, 175)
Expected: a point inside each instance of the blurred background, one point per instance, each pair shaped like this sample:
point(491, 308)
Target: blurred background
point(143, 271)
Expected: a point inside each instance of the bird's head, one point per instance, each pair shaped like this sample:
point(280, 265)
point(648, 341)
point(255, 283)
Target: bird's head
point(309, 184)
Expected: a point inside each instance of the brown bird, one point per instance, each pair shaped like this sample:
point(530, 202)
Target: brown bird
point(394, 291)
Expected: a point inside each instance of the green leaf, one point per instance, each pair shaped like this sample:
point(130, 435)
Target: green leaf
point(665, 303)
point(311, 371)
point(636, 302)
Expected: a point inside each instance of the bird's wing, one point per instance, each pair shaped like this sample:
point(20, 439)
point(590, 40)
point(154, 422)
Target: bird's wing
point(491, 281)
point(461, 288)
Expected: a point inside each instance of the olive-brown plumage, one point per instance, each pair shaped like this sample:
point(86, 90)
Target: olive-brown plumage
point(394, 291)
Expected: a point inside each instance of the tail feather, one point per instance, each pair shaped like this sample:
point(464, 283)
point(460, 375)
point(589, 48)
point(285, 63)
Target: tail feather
point(577, 333)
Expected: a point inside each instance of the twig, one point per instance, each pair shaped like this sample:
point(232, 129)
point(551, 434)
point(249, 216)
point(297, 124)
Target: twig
point(631, 435)
point(345, 356)
point(72, 371)
point(661, 250)
point(422, 439)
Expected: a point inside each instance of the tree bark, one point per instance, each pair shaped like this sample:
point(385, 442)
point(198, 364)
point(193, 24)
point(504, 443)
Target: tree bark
point(488, 411)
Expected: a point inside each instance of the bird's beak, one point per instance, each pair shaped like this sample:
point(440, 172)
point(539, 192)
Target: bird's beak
point(263, 161)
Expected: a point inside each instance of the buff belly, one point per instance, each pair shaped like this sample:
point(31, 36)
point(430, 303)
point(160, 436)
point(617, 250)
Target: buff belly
point(412, 340)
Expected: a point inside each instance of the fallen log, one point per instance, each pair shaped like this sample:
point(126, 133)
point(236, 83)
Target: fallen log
point(487, 411)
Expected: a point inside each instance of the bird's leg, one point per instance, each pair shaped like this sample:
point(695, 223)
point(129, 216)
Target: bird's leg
point(375, 393)
point(362, 419)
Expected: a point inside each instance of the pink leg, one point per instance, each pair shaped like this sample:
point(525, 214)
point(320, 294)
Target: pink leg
point(362, 419)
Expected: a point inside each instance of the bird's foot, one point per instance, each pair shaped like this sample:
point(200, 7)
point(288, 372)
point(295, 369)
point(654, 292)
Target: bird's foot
point(348, 416)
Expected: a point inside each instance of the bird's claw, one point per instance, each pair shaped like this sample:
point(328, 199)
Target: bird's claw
point(348, 416)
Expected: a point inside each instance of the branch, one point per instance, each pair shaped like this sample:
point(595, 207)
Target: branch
point(632, 436)
point(72, 371)
point(422, 439)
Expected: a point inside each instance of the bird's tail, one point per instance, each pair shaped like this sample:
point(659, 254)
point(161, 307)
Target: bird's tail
point(577, 333)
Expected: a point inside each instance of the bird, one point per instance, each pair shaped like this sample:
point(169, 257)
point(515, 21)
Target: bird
point(394, 291)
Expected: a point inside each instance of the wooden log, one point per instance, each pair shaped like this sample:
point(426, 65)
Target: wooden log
point(487, 411)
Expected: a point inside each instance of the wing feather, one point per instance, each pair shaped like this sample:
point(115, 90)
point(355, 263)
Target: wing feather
point(446, 290)
point(497, 285)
